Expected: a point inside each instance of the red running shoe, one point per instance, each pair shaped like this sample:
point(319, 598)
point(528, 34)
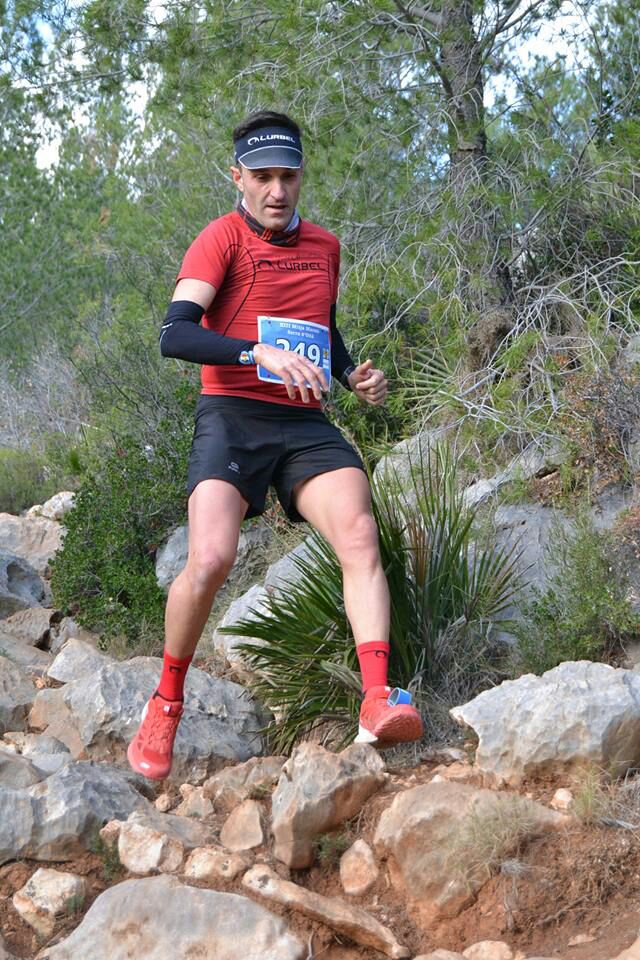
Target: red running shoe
point(151, 750)
point(385, 724)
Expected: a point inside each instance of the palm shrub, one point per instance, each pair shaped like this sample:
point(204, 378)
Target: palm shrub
point(446, 594)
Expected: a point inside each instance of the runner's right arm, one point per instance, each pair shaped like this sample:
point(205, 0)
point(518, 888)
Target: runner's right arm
point(181, 335)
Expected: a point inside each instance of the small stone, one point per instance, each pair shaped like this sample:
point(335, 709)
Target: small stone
point(562, 799)
point(194, 803)
point(110, 832)
point(440, 955)
point(211, 863)
point(488, 950)
point(581, 938)
point(358, 869)
point(142, 850)
point(243, 827)
point(46, 895)
point(163, 803)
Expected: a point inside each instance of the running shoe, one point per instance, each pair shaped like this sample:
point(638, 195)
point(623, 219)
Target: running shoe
point(151, 750)
point(384, 724)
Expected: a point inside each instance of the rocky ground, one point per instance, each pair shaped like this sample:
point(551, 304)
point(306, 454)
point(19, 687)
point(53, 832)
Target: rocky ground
point(520, 840)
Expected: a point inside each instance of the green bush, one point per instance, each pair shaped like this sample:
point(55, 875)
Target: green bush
point(446, 592)
point(32, 476)
point(105, 572)
point(584, 613)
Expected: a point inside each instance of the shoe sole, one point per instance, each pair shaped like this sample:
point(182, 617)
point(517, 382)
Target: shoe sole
point(402, 728)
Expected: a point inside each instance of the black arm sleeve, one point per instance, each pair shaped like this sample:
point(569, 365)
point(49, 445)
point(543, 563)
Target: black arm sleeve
point(182, 337)
point(341, 363)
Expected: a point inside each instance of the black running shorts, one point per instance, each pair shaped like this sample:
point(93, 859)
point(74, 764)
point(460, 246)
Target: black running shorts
point(253, 444)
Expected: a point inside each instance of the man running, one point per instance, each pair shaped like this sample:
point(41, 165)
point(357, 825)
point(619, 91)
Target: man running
point(264, 284)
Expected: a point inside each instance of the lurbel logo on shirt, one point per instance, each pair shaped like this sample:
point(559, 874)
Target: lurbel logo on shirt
point(288, 266)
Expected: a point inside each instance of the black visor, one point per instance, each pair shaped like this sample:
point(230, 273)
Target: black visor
point(269, 147)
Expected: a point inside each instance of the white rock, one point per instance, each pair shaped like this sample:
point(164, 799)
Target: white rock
point(253, 602)
point(212, 863)
point(145, 919)
point(35, 539)
point(581, 938)
point(358, 869)
point(562, 799)
point(345, 919)
point(243, 828)
point(488, 950)
point(17, 693)
point(58, 505)
point(317, 791)
point(48, 894)
point(440, 955)
point(423, 836)
point(76, 659)
point(163, 803)
point(143, 850)
point(577, 714)
point(251, 780)
point(194, 804)
point(632, 953)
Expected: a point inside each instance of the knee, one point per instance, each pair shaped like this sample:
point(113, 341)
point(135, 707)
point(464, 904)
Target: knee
point(357, 541)
point(207, 570)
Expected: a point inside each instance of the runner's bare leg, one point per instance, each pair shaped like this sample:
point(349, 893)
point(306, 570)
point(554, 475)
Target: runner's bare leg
point(216, 511)
point(338, 504)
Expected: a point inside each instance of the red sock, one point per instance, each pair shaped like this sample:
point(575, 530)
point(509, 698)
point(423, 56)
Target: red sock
point(374, 663)
point(171, 686)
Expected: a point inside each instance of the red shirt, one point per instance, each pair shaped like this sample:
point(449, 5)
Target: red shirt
point(255, 278)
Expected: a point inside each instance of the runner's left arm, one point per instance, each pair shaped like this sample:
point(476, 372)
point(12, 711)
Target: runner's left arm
point(341, 362)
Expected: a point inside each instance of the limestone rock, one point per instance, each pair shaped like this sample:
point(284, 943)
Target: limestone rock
point(406, 459)
point(190, 833)
point(17, 693)
point(76, 659)
point(577, 714)
point(220, 722)
point(20, 585)
point(163, 803)
point(562, 800)
point(143, 850)
point(345, 919)
point(424, 836)
point(51, 714)
point(440, 955)
point(212, 863)
point(317, 791)
point(35, 539)
point(251, 780)
point(17, 772)
point(146, 918)
point(243, 829)
point(286, 571)
point(68, 629)
point(46, 895)
point(254, 601)
point(57, 506)
point(488, 950)
point(58, 817)
point(47, 754)
point(358, 869)
point(194, 803)
point(31, 626)
point(33, 661)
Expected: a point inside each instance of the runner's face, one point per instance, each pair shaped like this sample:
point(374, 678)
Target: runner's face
point(271, 193)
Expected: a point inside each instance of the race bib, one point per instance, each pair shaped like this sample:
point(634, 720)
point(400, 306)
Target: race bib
point(310, 340)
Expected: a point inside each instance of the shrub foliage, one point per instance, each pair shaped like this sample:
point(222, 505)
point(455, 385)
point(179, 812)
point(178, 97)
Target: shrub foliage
point(445, 594)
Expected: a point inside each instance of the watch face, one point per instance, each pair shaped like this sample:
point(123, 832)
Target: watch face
point(246, 357)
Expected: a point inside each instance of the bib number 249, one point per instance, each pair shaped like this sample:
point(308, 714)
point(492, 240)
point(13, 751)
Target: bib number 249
point(311, 351)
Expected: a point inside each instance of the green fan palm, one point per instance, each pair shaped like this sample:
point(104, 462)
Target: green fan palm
point(446, 593)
